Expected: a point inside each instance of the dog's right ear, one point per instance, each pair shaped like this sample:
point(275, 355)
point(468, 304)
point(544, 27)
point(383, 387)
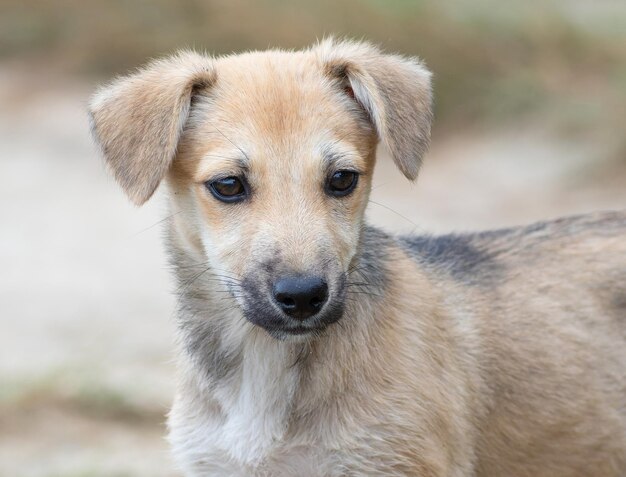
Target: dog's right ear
point(138, 119)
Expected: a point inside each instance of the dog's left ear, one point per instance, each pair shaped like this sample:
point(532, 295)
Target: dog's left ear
point(138, 119)
point(395, 91)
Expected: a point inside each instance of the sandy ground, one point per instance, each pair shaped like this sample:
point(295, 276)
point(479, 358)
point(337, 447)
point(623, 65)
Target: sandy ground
point(86, 340)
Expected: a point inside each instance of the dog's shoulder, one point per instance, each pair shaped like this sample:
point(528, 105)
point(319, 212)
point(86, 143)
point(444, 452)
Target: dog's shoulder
point(479, 256)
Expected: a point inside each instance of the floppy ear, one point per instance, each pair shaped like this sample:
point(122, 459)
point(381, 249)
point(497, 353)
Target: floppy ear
point(138, 119)
point(395, 92)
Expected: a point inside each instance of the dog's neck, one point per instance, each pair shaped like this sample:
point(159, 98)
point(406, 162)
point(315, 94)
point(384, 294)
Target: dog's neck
point(258, 382)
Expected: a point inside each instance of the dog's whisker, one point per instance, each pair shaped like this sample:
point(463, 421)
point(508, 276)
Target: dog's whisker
point(416, 226)
point(156, 223)
point(184, 267)
point(359, 284)
point(192, 279)
point(366, 293)
point(217, 156)
point(235, 145)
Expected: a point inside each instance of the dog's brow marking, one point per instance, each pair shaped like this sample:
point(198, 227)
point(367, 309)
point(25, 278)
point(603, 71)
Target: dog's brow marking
point(335, 156)
point(234, 165)
point(332, 158)
point(225, 157)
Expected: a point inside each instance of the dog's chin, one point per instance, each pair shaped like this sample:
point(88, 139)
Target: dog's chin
point(296, 335)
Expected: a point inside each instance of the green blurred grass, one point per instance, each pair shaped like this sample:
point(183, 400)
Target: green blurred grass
point(493, 60)
point(79, 393)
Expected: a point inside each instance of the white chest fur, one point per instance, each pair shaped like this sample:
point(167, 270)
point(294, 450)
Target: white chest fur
point(239, 427)
point(256, 403)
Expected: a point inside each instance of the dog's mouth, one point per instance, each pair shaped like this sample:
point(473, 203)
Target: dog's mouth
point(304, 330)
point(294, 334)
point(279, 325)
point(300, 330)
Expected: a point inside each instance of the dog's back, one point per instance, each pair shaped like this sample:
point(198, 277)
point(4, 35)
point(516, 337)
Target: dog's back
point(549, 304)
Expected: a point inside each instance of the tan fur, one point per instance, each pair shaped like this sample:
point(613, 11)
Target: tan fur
point(493, 354)
point(138, 120)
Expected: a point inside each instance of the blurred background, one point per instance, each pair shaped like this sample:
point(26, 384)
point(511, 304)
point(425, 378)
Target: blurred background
point(530, 115)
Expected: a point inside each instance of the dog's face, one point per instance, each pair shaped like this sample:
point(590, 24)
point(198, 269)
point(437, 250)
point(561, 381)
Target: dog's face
point(269, 160)
point(277, 165)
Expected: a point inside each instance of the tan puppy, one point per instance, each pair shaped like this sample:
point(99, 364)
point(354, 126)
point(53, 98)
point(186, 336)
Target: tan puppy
point(315, 345)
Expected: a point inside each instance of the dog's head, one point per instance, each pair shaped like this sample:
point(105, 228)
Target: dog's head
point(269, 159)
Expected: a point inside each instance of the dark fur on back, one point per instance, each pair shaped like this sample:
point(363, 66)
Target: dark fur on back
point(481, 257)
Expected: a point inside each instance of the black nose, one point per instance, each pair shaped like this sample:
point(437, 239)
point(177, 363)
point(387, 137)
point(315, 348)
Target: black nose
point(300, 296)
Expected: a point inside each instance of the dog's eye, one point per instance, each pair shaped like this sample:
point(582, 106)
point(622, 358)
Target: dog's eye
point(342, 183)
point(227, 189)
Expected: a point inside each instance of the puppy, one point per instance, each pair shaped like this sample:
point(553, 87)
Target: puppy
point(313, 344)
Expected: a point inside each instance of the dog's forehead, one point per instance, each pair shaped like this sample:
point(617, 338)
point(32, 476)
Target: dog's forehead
point(275, 105)
point(274, 91)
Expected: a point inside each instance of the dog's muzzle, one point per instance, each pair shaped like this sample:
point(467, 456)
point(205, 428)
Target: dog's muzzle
point(293, 304)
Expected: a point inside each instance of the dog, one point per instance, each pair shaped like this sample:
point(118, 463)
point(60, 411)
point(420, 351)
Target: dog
point(313, 344)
